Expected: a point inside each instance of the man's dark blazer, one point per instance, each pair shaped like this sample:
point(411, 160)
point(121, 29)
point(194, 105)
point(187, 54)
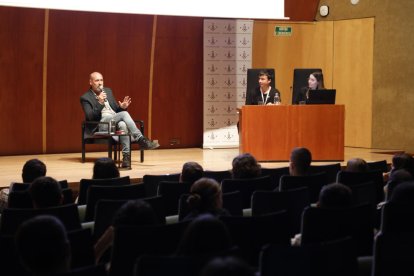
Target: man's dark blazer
point(253, 96)
point(92, 108)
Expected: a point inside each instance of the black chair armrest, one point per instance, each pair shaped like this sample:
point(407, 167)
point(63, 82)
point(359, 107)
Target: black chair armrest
point(141, 125)
point(95, 123)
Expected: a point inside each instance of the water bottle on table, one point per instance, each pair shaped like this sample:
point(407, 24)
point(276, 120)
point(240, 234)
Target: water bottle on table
point(276, 99)
point(112, 125)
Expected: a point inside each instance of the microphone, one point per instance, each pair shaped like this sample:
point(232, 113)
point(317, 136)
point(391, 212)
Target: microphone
point(101, 89)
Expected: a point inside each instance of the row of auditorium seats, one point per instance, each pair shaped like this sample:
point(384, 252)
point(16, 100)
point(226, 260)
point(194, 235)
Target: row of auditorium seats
point(104, 199)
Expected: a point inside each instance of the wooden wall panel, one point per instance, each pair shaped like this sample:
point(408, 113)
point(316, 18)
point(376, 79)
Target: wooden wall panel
point(309, 46)
point(393, 59)
point(116, 45)
point(178, 82)
point(21, 59)
point(353, 77)
point(301, 10)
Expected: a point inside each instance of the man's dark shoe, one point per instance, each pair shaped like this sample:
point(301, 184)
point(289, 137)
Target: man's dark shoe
point(146, 144)
point(126, 161)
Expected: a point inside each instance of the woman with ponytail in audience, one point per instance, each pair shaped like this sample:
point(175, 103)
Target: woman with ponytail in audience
point(205, 197)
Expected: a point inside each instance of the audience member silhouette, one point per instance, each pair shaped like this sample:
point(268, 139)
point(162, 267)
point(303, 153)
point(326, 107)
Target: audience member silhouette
point(132, 213)
point(105, 168)
point(43, 246)
point(205, 237)
point(403, 161)
point(356, 165)
point(45, 192)
point(403, 193)
point(300, 161)
point(335, 196)
point(396, 177)
point(400, 161)
point(245, 166)
point(191, 172)
point(227, 266)
point(205, 197)
point(33, 169)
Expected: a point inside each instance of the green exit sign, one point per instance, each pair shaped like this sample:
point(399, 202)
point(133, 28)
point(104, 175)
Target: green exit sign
point(283, 31)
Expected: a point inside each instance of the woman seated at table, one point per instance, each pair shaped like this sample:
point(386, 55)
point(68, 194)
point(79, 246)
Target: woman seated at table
point(315, 82)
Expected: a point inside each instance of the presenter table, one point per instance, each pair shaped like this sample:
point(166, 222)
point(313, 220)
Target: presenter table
point(269, 133)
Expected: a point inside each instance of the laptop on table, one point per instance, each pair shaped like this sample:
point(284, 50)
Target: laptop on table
point(323, 96)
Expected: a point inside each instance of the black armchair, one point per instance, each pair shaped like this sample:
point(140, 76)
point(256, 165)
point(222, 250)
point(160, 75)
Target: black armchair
point(104, 137)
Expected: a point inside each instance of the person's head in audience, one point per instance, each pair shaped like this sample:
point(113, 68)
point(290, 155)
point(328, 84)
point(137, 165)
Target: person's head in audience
point(205, 237)
point(403, 193)
point(245, 166)
point(191, 172)
point(135, 213)
point(105, 168)
point(396, 177)
point(132, 213)
point(227, 266)
point(315, 81)
point(300, 161)
point(45, 192)
point(33, 169)
point(356, 165)
point(43, 246)
point(205, 197)
point(335, 196)
point(403, 161)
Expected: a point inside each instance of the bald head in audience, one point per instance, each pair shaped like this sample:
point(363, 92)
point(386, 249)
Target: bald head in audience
point(300, 161)
point(356, 165)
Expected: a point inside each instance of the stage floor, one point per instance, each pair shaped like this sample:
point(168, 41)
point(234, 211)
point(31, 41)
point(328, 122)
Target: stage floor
point(160, 161)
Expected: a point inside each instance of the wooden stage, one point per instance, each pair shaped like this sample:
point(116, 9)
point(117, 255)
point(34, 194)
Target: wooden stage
point(160, 161)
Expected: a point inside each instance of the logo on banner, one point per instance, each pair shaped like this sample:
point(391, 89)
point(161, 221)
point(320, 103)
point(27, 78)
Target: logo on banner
point(212, 123)
point(228, 95)
point(212, 109)
point(229, 55)
point(228, 69)
point(244, 41)
point(228, 136)
point(229, 109)
point(212, 136)
point(213, 54)
point(229, 41)
point(228, 82)
point(212, 27)
point(212, 82)
point(243, 82)
point(228, 122)
point(243, 68)
point(244, 55)
point(229, 27)
point(212, 68)
point(212, 41)
point(244, 28)
point(212, 96)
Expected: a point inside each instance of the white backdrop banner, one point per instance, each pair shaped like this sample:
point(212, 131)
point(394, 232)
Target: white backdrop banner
point(227, 56)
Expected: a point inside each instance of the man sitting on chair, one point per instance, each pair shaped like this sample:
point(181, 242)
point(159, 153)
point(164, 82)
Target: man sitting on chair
point(99, 104)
